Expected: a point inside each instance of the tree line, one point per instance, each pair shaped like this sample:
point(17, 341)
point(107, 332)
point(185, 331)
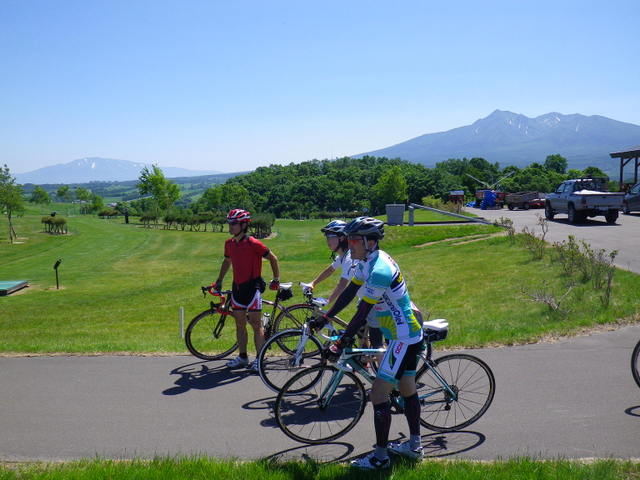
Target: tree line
point(344, 187)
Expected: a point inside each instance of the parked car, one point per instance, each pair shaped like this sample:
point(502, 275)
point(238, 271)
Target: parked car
point(581, 198)
point(631, 202)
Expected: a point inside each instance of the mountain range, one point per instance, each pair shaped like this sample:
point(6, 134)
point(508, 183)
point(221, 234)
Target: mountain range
point(514, 139)
point(504, 137)
point(96, 169)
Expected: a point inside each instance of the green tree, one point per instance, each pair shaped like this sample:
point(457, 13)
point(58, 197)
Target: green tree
point(83, 194)
point(11, 201)
point(594, 172)
point(63, 193)
point(152, 181)
point(210, 201)
point(556, 162)
point(391, 188)
point(97, 203)
point(40, 196)
point(235, 196)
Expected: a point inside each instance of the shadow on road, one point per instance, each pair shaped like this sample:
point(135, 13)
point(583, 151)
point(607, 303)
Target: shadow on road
point(266, 403)
point(203, 376)
point(435, 445)
point(451, 443)
point(329, 452)
point(633, 411)
point(586, 223)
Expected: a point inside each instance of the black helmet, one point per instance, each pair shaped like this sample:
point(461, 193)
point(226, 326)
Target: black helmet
point(334, 226)
point(367, 227)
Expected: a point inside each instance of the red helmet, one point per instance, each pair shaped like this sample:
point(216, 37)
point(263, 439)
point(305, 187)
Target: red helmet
point(237, 215)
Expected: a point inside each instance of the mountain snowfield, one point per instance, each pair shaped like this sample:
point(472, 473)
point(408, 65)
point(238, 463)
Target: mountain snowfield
point(96, 169)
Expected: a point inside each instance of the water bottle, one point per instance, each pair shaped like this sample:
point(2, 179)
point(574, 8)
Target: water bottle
point(265, 318)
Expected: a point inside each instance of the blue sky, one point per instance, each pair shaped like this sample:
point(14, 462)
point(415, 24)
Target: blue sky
point(230, 86)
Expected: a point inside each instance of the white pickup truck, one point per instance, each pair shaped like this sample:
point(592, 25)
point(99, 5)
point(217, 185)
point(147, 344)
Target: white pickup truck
point(581, 198)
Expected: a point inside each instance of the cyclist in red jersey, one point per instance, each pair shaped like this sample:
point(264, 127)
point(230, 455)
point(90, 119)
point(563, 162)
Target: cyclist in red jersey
point(244, 254)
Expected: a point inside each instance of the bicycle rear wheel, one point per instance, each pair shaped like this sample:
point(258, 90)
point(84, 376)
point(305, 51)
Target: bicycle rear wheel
point(211, 335)
point(635, 363)
point(468, 377)
point(278, 360)
point(300, 415)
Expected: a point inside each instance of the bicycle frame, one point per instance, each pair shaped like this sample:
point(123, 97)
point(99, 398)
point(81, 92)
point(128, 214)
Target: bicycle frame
point(349, 361)
point(224, 309)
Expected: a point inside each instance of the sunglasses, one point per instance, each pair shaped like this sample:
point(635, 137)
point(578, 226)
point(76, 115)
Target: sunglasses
point(331, 235)
point(354, 238)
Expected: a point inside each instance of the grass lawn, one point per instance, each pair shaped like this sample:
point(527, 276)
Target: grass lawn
point(431, 216)
point(203, 468)
point(123, 285)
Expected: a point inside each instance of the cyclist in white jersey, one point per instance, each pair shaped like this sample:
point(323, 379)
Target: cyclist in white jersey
point(337, 243)
point(385, 291)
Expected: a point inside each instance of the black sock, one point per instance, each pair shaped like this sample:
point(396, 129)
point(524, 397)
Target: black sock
point(382, 423)
point(244, 356)
point(412, 412)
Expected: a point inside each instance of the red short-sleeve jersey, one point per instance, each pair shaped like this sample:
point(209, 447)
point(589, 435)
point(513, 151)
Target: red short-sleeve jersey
point(246, 258)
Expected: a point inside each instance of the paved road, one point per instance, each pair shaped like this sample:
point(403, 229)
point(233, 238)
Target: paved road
point(623, 236)
point(574, 398)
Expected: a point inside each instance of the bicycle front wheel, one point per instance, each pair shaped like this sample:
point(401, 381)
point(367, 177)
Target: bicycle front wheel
point(279, 358)
point(211, 335)
point(635, 364)
point(462, 399)
point(308, 412)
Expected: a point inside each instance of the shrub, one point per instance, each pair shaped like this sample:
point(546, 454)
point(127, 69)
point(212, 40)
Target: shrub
point(55, 225)
point(434, 202)
point(108, 213)
point(260, 226)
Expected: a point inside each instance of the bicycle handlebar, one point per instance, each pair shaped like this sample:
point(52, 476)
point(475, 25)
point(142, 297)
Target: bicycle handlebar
point(215, 293)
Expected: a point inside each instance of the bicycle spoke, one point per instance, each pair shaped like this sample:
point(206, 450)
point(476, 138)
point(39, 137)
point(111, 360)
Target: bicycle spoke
point(467, 394)
point(300, 416)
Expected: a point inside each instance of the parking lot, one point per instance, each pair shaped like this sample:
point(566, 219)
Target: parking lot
point(622, 236)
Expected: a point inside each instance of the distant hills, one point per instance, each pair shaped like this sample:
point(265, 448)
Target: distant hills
point(96, 169)
point(513, 139)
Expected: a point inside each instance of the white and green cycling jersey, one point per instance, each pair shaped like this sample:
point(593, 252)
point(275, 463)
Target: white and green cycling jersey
point(384, 287)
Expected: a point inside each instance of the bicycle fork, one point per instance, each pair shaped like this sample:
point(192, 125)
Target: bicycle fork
point(450, 392)
point(330, 389)
point(296, 361)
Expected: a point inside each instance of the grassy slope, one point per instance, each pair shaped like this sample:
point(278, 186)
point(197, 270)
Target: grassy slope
point(202, 468)
point(123, 284)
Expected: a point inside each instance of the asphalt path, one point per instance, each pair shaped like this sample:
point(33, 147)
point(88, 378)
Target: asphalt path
point(573, 398)
point(622, 236)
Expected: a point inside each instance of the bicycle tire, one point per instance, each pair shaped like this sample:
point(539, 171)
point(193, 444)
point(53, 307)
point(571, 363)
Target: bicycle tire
point(635, 364)
point(470, 377)
point(275, 358)
point(301, 418)
point(200, 339)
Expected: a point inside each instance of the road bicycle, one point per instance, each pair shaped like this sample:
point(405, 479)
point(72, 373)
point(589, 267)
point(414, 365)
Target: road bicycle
point(211, 335)
point(635, 363)
point(288, 351)
point(322, 403)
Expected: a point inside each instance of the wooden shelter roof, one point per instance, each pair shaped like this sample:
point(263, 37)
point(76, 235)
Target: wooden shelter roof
point(632, 152)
